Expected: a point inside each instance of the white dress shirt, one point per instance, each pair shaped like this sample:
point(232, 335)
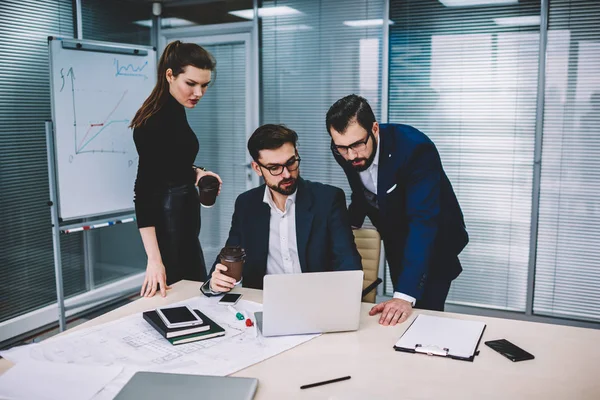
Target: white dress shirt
point(283, 247)
point(368, 178)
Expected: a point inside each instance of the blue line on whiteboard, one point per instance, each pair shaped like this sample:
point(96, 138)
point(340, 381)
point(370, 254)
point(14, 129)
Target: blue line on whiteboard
point(100, 131)
point(130, 70)
point(71, 73)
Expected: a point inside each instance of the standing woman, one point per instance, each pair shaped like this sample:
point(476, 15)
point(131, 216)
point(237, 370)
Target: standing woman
point(166, 200)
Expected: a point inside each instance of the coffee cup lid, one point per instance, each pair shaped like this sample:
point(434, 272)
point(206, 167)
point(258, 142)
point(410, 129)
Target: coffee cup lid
point(208, 182)
point(232, 253)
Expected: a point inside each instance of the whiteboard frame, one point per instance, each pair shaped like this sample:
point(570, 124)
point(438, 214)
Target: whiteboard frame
point(86, 45)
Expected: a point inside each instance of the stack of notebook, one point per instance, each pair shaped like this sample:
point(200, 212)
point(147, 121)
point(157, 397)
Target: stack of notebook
point(207, 330)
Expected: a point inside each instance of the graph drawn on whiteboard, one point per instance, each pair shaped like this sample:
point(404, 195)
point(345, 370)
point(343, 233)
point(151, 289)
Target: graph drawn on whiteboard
point(130, 69)
point(95, 95)
point(101, 135)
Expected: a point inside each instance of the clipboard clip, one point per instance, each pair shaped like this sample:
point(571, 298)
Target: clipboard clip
point(432, 350)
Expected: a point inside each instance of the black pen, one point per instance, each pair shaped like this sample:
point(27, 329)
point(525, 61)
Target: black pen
point(344, 378)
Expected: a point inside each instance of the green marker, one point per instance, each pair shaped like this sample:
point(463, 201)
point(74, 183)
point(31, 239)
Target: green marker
point(235, 312)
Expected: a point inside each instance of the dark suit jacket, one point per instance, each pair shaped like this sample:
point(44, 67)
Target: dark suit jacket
point(323, 234)
point(419, 217)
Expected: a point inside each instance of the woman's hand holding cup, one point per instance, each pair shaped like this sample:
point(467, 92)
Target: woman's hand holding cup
point(209, 187)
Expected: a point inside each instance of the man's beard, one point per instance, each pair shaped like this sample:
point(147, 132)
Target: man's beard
point(369, 160)
point(288, 190)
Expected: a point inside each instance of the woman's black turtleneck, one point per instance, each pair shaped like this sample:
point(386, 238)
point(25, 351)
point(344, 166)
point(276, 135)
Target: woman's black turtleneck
point(167, 148)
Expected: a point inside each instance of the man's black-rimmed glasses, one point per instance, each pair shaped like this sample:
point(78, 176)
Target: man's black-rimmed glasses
point(277, 169)
point(358, 146)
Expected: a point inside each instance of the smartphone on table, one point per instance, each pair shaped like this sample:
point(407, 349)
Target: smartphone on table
point(178, 317)
point(509, 350)
point(230, 299)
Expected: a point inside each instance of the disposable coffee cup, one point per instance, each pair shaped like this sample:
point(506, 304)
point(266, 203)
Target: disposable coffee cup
point(233, 258)
point(208, 188)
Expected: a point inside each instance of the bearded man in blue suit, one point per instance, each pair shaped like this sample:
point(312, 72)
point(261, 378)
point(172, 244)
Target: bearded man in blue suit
point(398, 181)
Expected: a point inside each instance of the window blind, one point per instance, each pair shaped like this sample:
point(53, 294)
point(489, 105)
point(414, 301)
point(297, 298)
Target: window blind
point(220, 125)
point(310, 59)
point(117, 251)
point(114, 21)
point(26, 256)
point(467, 77)
point(567, 279)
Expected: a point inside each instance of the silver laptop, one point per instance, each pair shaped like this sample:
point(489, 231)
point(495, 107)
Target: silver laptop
point(162, 386)
point(314, 302)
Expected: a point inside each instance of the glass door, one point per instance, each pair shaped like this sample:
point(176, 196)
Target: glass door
point(223, 121)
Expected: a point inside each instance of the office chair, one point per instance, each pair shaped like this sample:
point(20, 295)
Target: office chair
point(368, 243)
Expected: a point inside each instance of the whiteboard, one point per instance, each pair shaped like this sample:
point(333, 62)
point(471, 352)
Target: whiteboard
point(96, 89)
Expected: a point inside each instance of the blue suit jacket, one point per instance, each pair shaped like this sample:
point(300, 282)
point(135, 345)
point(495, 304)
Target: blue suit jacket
point(323, 234)
point(419, 217)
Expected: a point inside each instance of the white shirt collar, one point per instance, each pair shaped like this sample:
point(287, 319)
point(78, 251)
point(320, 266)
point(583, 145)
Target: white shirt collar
point(376, 159)
point(268, 199)
point(369, 176)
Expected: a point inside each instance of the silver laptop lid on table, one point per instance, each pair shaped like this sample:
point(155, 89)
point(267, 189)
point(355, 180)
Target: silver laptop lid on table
point(315, 302)
point(163, 386)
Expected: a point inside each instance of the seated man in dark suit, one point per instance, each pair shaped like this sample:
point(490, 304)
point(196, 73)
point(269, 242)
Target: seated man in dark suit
point(288, 225)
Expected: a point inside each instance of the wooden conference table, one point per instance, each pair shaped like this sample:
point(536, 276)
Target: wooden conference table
point(567, 363)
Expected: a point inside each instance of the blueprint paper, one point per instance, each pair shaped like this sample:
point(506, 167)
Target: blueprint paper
point(49, 381)
point(18, 353)
point(131, 343)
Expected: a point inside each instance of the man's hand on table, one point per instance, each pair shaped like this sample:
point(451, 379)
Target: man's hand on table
point(394, 311)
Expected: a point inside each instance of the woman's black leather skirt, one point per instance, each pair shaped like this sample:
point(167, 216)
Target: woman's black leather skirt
point(177, 234)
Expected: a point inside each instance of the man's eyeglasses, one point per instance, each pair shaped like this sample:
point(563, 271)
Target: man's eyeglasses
point(277, 169)
point(359, 146)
